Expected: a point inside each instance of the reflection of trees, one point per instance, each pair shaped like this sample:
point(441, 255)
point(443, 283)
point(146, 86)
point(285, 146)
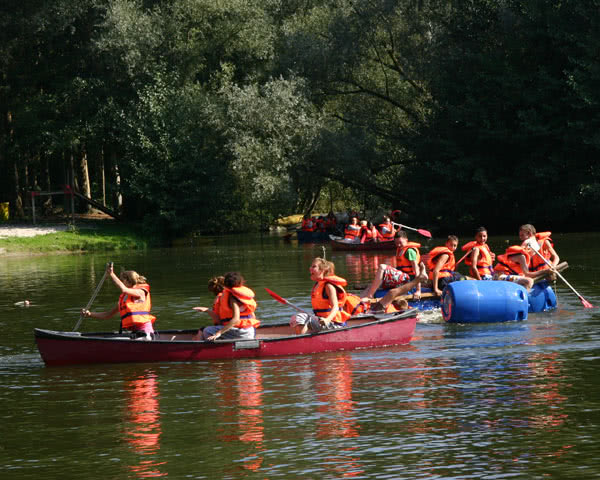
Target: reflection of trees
point(143, 429)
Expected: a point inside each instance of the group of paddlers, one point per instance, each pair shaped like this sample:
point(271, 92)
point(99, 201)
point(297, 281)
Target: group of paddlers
point(319, 223)
point(364, 231)
point(233, 310)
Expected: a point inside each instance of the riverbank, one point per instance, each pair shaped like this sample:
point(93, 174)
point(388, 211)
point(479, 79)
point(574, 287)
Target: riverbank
point(56, 237)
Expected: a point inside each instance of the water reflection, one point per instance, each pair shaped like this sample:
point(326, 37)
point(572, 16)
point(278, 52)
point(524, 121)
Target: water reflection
point(241, 393)
point(143, 427)
point(361, 267)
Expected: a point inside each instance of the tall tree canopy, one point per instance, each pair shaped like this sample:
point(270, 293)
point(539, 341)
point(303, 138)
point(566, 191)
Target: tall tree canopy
point(204, 115)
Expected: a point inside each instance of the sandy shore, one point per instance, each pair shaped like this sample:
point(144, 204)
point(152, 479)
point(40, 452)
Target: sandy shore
point(28, 231)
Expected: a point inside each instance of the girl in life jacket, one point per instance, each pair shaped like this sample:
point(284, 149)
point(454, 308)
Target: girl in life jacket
point(216, 285)
point(134, 304)
point(328, 299)
point(547, 254)
point(512, 266)
point(235, 311)
point(369, 233)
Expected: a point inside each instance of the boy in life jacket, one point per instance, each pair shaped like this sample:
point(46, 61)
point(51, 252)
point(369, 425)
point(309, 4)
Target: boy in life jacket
point(235, 311)
point(441, 265)
point(545, 247)
point(328, 298)
point(216, 285)
point(480, 259)
point(134, 304)
point(408, 273)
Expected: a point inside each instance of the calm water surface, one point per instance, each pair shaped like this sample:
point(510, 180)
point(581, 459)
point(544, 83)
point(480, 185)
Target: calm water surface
point(514, 400)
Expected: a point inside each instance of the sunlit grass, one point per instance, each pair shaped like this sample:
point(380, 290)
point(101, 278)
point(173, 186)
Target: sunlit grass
point(98, 238)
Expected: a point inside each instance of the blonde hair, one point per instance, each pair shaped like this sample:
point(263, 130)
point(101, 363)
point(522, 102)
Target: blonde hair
point(132, 278)
point(325, 266)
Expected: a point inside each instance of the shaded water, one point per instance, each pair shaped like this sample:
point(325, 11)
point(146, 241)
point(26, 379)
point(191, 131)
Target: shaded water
point(514, 400)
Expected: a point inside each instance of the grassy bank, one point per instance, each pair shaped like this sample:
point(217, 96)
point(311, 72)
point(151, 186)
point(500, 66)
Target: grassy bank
point(93, 237)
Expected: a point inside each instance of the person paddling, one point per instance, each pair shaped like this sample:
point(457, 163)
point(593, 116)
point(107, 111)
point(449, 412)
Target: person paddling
point(134, 304)
point(527, 233)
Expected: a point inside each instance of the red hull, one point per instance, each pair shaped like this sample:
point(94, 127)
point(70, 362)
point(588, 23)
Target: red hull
point(338, 244)
point(64, 348)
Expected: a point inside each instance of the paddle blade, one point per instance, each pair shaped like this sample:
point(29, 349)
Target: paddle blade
point(276, 297)
point(425, 233)
point(585, 303)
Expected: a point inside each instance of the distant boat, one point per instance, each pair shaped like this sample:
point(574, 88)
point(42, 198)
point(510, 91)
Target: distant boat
point(363, 331)
point(339, 243)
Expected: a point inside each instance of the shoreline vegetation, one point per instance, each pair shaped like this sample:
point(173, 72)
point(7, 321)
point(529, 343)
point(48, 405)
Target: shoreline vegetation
point(86, 236)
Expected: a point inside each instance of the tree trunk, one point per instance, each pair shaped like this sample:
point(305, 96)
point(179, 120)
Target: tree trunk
point(16, 200)
point(102, 176)
point(84, 176)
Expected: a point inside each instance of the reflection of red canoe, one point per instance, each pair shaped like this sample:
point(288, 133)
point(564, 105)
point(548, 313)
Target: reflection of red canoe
point(338, 243)
point(63, 348)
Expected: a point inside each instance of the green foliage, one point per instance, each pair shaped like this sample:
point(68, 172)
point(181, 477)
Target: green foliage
point(221, 116)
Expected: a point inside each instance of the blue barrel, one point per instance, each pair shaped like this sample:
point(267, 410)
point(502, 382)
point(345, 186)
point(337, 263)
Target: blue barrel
point(474, 301)
point(541, 298)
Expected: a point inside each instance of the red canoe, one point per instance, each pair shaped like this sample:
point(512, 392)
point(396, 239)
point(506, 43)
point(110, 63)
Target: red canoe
point(338, 243)
point(64, 348)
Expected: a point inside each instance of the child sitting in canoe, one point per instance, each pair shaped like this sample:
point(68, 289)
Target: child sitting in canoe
point(328, 298)
point(134, 304)
point(235, 311)
point(216, 285)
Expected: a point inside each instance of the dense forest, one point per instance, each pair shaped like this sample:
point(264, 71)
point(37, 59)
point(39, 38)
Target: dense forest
point(223, 115)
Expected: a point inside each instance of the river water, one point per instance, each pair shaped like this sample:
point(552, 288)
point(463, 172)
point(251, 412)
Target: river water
point(512, 400)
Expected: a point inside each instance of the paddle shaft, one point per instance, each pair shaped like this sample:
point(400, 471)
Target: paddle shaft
point(464, 256)
point(583, 300)
point(89, 304)
point(280, 299)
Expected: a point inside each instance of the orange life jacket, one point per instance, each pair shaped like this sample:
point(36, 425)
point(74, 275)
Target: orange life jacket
point(508, 266)
point(217, 305)
point(132, 311)
point(448, 267)
point(321, 304)
point(352, 231)
point(308, 225)
point(369, 235)
point(243, 295)
point(544, 240)
point(484, 260)
point(320, 225)
point(387, 231)
point(330, 223)
point(354, 305)
point(402, 263)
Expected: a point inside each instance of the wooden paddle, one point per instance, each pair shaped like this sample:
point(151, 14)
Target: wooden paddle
point(534, 245)
point(425, 233)
point(91, 299)
point(284, 301)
